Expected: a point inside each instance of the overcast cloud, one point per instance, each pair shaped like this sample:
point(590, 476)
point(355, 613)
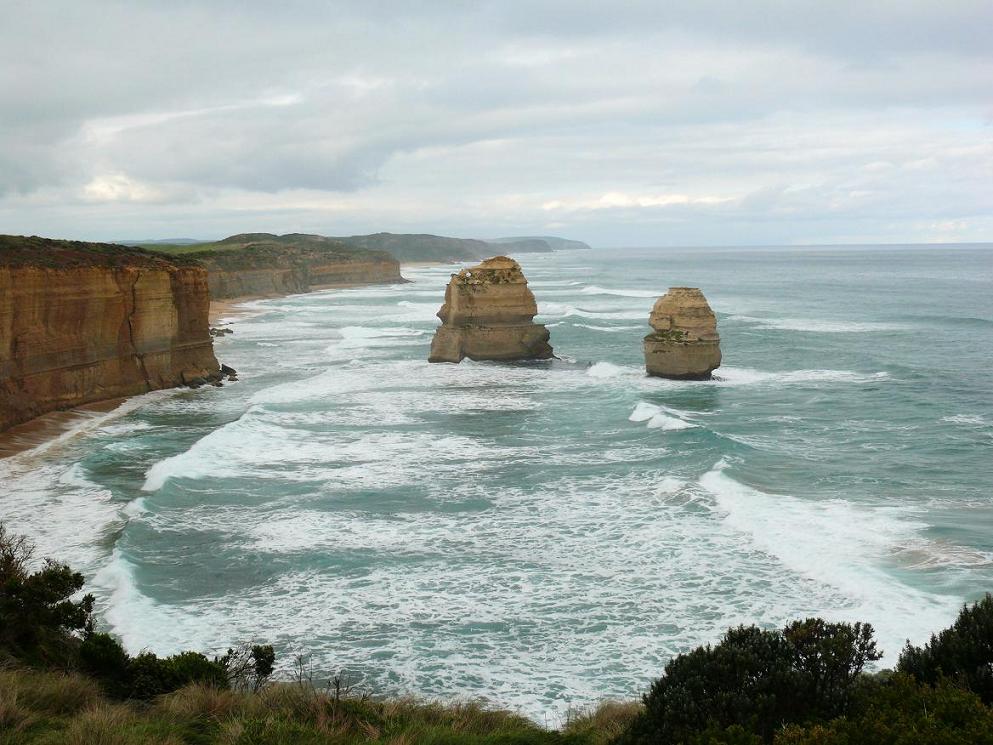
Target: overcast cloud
point(620, 123)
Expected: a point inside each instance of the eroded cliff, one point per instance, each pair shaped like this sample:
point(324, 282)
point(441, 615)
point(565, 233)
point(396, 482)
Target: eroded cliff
point(84, 322)
point(684, 343)
point(259, 264)
point(488, 315)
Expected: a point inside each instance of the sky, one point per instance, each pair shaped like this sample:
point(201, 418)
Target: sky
point(621, 123)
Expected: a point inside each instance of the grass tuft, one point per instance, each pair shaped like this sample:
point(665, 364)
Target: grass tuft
point(603, 723)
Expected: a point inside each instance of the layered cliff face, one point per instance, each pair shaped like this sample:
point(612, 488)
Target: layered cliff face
point(685, 343)
point(488, 315)
point(264, 264)
point(82, 322)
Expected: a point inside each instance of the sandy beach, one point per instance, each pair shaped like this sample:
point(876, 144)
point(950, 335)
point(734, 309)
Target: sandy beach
point(49, 427)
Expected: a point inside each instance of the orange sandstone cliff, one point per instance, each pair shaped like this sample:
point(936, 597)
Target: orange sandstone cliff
point(254, 264)
point(84, 322)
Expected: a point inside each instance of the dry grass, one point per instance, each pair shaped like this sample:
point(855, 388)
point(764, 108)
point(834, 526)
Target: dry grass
point(13, 716)
point(38, 708)
point(204, 702)
point(604, 723)
point(51, 693)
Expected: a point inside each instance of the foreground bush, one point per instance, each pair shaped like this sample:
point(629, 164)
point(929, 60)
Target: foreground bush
point(962, 653)
point(37, 615)
point(902, 711)
point(754, 681)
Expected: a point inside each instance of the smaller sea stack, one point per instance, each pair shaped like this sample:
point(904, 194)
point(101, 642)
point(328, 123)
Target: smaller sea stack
point(684, 343)
point(488, 315)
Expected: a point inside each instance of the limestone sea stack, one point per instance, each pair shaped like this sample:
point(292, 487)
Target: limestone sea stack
point(489, 315)
point(684, 343)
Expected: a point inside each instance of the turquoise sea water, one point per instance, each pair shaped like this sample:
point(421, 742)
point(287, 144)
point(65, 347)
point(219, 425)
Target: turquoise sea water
point(548, 534)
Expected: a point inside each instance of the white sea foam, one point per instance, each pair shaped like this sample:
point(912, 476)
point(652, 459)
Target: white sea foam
point(603, 370)
point(735, 376)
point(821, 326)
point(967, 419)
point(730, 376)
point(839, 545)
point(594, 290)
point(562, 310)
point(353, 337)
point(608, 329)
point(660, 417)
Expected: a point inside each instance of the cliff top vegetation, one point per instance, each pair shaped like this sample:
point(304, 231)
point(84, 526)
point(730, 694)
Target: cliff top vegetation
point(403, 246)
point(34, 251)
point(264, 250)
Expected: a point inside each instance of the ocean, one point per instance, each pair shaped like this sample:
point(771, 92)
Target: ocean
point(547, 534)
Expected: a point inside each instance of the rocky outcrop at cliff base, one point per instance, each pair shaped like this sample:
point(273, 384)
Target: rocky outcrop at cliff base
point(489, 315)
point(684, 343)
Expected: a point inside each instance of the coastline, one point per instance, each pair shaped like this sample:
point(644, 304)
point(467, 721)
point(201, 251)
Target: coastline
point(47, 428)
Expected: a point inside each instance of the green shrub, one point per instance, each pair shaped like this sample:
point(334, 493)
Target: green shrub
point(249, 668)
point(756, 680)
point(902, 711)
point(149, 675)
point(37, 614)
point(103, 657)
point(963, 652)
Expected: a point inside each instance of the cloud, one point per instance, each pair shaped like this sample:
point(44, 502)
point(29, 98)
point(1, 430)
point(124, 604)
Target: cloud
point(722, 121)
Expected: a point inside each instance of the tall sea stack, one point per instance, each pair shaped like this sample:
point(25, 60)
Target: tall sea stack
point(684, 343)
point(488, 315)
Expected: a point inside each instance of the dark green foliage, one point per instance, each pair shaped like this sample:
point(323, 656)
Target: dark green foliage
point(40, 624)
point(829, 658)
point(901, 711)
point(103, 657)
point(756, 680)
point(37, 614)
point(146, 675)
point(149, 676)
point(962, 653)
point(249, 668)
point(51, 253)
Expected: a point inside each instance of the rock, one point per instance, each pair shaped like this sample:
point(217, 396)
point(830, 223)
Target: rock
point(225, 370)
point(488, 315)
point(685, 343)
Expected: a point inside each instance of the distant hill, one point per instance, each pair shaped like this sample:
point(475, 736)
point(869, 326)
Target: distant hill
point(406, 247)
point(426, 247)
point(556, 244)
point(160, 241)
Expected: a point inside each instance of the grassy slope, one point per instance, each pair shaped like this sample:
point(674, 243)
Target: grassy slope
point(260, 250)
point(45, 708)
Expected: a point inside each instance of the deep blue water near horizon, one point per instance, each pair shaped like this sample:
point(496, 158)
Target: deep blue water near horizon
point(548, 534)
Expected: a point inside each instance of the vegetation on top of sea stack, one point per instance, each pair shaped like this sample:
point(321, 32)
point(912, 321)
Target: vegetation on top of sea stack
point(63, 682)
